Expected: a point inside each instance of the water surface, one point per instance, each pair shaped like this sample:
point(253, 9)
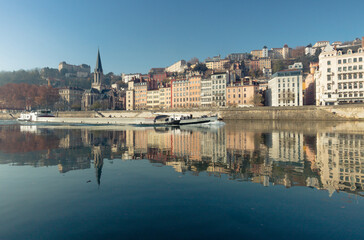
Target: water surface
point(261, 180)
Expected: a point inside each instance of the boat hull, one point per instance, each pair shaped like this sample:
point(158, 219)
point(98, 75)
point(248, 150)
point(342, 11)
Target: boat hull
point(198, 120)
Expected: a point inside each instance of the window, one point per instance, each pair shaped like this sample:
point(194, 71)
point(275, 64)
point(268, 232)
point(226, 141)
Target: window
point(344, 60)
point(328, 62)
point(329, 70)
point(339, 61)
point(339, 76)
point(339, 69)
point(350, 68)
point(328, 78)
point(355, 59)
point(360, 59)
point(344, 68)
point(355, 67)
point(360, 67)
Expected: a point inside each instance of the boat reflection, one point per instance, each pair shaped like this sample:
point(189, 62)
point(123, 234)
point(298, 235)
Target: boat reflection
point(326, 157)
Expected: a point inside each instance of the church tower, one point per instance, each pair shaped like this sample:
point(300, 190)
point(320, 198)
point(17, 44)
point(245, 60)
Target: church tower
point(98, 74)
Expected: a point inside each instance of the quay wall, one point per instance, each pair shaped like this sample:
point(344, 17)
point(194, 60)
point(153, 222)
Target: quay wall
point(304, 113)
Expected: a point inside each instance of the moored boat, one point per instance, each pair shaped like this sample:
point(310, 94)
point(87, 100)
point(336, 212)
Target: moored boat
point(35, 116)
point(189, 119)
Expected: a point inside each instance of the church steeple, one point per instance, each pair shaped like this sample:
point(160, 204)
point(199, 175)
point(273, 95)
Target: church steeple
point(98, 73)
point(98, 62)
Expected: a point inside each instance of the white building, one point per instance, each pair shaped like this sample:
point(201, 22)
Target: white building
point(206, 92)
point(178, 67)
point(128, 77)
point(340, 76)
point(218, 86)
point(285, 89)
point(309, 50)
point(321, 44)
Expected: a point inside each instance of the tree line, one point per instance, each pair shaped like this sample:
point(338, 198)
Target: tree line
point(27, 96)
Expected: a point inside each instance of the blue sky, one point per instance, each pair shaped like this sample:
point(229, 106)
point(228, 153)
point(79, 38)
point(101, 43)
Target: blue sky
point(134, 36)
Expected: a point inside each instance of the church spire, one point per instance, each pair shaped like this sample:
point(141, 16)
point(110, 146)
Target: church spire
point(98, 74)
point(98, 62)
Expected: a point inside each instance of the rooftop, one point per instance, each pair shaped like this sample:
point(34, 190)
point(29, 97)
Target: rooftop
point(287, 72)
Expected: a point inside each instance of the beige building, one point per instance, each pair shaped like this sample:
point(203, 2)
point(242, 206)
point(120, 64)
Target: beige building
point(194, 91)
point(165, 97)
point(265, 63)
point(217, 65)
point(153, 99)
point(241, 95)
point(71, 96)
point(257, 53)
point(140, 95)
point(180, 94)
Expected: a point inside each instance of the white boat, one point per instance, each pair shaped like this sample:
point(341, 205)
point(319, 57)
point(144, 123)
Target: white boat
point(35, 116)
point(189, 119)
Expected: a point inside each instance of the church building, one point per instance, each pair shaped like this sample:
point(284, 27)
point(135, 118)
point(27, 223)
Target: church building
point(99, 97)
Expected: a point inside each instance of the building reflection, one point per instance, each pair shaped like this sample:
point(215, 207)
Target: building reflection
point(322, 160)
point(340, 158)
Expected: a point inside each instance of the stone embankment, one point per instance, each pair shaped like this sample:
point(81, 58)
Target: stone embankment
point(305, 113)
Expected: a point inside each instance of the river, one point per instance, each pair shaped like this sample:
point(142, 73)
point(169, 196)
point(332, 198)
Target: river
point(242, 179)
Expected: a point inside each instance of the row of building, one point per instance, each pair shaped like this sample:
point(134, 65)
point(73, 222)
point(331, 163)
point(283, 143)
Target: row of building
point(219, 89)
point(337, 78)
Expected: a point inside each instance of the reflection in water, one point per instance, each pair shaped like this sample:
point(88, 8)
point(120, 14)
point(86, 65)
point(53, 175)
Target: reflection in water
point(268, 153)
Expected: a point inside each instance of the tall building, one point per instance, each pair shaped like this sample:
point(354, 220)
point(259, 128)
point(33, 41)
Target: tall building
point(285, 89)
point(180, 94)
point(265, 52)
point(340, 76)
point(218, 85)
point(194, 91)
point(206, 92)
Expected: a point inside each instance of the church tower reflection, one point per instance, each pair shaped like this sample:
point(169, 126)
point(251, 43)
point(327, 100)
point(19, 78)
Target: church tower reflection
point(98, 162)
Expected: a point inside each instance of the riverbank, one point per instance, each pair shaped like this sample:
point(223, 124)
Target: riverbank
point(304, 113)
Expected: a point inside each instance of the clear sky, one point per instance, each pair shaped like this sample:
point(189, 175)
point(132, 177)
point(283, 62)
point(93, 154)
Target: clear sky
point(136, 35)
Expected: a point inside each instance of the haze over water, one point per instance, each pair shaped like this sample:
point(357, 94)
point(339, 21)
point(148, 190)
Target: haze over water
point(260, 180)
